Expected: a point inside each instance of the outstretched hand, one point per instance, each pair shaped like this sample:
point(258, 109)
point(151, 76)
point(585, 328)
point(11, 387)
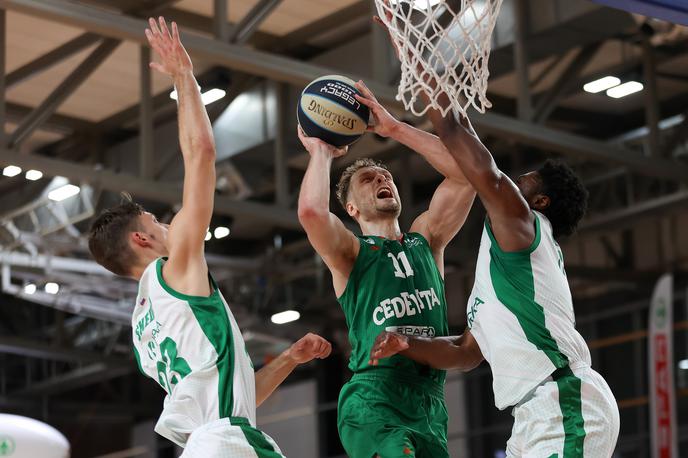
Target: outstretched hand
point(387, 344)
point(309, 347)
point(314, 145)
point(174, 59)
point(384, 122)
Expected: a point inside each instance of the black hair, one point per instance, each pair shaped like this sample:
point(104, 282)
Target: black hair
point(568, 198)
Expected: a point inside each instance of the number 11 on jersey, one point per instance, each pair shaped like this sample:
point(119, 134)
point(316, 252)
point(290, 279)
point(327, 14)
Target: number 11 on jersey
point(407, 272)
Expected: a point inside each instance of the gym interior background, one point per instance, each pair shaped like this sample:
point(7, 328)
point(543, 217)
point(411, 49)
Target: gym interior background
point(80, 107)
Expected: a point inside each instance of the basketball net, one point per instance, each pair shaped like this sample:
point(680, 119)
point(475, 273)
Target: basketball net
point(444, 47)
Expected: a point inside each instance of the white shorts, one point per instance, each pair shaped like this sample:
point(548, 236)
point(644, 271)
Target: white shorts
point(230, 438)
point(572, 414)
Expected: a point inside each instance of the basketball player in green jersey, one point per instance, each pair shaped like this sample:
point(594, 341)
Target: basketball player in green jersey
point(184, 334)
point(386, 279)
point(520, 312)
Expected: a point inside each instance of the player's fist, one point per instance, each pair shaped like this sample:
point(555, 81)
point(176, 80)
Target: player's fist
point(387, 344)
point(309, 347)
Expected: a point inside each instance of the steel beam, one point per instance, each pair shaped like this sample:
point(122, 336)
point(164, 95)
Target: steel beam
point(51, 58)
point(238, 57)
point(299, 73)
point(57, 123)
point(652, 116)
point(62, 92)
point(220, 24)
point(252, 20)
point(521, 60)
point(550, 100)
point(3, 78)
point(281, 171)
point(53, 263)
point(84, 376)
point(43, 350)
point(597, 25)
point(166, 192)
point(577, 146)
point(629, 216)
point(146, 162)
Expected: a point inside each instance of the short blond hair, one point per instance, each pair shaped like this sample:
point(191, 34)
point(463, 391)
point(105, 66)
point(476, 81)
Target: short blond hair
point(348, 173)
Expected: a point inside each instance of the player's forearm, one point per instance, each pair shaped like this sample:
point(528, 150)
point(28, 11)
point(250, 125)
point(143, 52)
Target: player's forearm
point(431, 148)
point(272, 375)
point(314, 196)
point(439, 353)
point(195, 131)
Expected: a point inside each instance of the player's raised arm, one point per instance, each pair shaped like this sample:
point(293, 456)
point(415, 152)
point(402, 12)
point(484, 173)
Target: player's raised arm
point(509, 213)
point(331, 239)
point(309, 347)
point(188, 228)
point(452, 200)
point(454, 352)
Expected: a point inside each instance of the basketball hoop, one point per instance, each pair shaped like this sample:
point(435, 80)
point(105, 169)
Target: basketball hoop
point(444, 47)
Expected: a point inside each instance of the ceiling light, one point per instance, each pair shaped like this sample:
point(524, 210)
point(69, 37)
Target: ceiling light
point(11, 171)
point(212, 95)
point(63, 192)
point(51, 288)
point(625, 89)
point(29, 288)
point(601, 84)
point(208, 236)
point(683, 364)
point(285, 317)
point(33, 175)
point(208, 97)
point(221, 232)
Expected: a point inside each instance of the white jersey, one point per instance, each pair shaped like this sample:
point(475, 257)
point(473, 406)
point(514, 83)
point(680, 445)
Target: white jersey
point(193, 348)
point(521, 314)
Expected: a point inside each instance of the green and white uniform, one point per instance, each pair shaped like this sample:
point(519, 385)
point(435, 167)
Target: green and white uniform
point(193, 348)
point(396, 408)
point(521, 314)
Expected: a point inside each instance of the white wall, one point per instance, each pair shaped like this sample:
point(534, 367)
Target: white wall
point(289, 416)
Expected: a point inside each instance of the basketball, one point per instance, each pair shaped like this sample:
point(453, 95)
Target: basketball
point(329, 111)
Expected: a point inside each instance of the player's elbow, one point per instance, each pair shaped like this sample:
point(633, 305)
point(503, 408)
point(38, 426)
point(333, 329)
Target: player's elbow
point(203, 149)
point(310, 213)
point(206, 151)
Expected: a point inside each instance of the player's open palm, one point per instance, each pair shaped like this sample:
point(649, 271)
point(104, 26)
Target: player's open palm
point(174, 59)
point(383, 122)
point(387, 344)
point(309, 347)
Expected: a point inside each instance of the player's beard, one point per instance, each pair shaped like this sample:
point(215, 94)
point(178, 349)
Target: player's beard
point(388, 207)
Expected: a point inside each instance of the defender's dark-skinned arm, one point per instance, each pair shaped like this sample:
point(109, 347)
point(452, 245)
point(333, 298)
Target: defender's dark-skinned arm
point(454, 352)
point(509, 213)
point(510, 217)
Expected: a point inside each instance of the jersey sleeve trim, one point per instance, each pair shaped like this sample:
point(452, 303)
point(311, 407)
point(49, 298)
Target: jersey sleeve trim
point(185, 297)
point(495, 248)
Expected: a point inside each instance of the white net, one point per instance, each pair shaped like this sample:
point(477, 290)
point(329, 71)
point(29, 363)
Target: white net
point(444, 47)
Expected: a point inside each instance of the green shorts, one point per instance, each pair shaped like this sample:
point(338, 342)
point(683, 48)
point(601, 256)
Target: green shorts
point(382, 413)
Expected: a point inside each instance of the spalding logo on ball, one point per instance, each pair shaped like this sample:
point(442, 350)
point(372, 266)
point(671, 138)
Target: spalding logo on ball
point(329, 111)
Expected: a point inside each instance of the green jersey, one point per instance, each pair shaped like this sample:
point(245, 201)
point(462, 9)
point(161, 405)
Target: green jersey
point(394, 286)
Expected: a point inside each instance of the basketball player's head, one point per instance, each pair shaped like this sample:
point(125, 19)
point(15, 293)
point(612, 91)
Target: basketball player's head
point(367, 191)
point(555, 191)
point(126, 236)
